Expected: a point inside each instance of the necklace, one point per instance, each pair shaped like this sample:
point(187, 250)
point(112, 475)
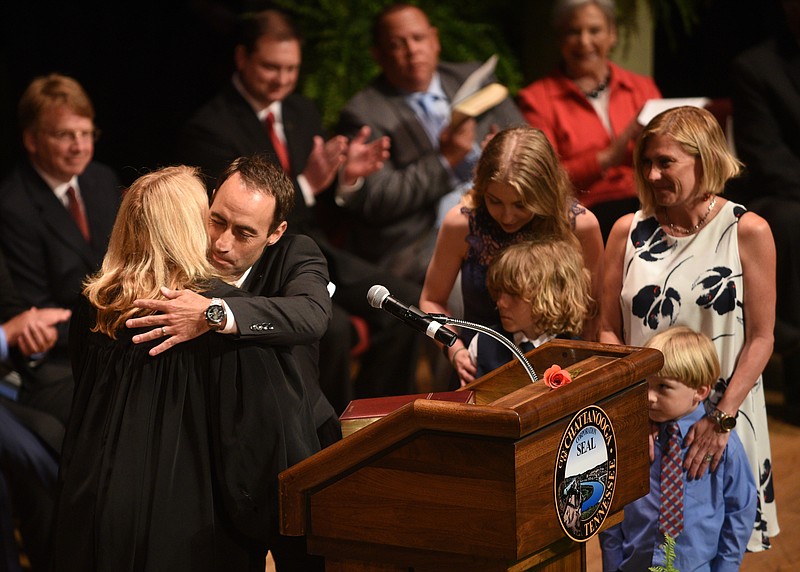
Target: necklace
point(695, 228)
point(601, 87)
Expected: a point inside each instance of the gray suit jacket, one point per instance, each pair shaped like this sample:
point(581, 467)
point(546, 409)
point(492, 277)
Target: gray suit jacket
point(395, 210)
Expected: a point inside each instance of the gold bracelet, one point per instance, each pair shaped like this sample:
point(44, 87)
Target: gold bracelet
point(453, 360)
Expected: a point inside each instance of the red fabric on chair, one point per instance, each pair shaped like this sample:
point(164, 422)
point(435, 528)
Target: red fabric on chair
point(362, 332)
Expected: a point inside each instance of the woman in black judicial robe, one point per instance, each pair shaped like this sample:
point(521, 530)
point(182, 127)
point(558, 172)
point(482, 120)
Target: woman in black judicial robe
point(171, 462)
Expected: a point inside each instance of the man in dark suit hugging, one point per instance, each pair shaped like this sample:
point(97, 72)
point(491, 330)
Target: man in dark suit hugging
point(291, 306)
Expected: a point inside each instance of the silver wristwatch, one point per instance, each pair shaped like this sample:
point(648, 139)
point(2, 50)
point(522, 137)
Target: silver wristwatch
point(215, 314)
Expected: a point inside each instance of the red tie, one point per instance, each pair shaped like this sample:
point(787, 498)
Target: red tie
point(670, 518)
point(277, 144)
point(77, 213)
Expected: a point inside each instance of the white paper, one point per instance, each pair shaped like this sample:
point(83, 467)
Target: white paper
point(475, 80)
point(653, 107)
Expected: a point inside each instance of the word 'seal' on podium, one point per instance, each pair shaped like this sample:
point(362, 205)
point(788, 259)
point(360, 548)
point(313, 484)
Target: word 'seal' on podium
point(517, 481)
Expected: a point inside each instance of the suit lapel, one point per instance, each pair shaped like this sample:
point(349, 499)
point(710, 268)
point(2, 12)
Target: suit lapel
point(57, 218)
point(100, 222)
point(291, 130)
point(301, 122)
point(255, 133)
point(405, 118)
point(264, 278)
point(450, 84)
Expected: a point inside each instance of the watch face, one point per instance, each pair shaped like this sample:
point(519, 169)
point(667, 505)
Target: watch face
point(215, 314)
point(724, 421)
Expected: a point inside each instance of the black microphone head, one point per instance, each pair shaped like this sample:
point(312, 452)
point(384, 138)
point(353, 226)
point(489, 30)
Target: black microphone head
point(376, 295)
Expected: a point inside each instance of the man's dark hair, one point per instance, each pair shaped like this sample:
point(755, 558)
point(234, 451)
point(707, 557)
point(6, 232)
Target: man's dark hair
point(260, 174)
point(377, 23)
point(273, 23)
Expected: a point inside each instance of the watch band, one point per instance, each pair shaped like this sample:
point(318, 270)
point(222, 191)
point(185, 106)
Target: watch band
point(725, 423)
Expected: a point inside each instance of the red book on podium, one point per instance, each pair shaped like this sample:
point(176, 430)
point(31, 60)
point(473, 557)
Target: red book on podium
point(362, 412)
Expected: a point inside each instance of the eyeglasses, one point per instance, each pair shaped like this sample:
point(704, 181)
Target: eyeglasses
point(74, 136)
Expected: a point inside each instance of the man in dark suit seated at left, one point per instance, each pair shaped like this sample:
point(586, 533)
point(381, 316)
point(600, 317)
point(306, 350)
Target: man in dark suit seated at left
point(56, 213)
point(30, 439)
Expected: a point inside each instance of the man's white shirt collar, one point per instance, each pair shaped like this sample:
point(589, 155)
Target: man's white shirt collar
point(244, 276)
point(59, 188)
point(274, 107)
point(434, 87)
point(520, 338)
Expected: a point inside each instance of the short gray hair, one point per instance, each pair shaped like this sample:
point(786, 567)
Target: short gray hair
point(563, 8)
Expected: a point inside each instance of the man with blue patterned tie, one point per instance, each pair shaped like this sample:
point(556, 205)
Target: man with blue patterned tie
point(396, 207)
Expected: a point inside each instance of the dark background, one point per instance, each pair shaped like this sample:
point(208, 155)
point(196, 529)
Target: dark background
point(148, 65)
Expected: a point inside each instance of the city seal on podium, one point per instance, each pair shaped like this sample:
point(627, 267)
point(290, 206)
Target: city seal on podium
point(586, 472)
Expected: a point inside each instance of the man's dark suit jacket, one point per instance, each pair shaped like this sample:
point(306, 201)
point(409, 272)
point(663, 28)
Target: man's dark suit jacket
point(766, 99)
point(46, 427)
point(396, 207)
point(227, 127)
point(46, 254)
point(48, 259)
point(293, 308)
point(10, 302)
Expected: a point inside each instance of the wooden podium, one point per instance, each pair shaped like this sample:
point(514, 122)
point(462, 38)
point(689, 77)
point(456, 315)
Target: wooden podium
point(451, 486)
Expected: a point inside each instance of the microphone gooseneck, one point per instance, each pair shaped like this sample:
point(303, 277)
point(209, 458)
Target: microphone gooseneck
point(515, 351)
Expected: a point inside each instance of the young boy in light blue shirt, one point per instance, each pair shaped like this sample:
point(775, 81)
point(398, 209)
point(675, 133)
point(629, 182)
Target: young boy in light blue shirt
point(712, 526)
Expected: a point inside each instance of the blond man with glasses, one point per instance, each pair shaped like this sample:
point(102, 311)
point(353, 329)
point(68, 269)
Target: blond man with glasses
point(57, 209)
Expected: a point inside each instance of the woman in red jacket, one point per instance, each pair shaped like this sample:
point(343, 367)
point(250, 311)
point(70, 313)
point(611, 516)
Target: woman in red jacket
point(588, 106)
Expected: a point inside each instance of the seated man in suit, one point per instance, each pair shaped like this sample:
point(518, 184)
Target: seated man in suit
point(268, 58)
point(28, 461)
point(396, 207)
point(56, 214)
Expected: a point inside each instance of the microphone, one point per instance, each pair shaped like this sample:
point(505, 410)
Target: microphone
point(379, 297)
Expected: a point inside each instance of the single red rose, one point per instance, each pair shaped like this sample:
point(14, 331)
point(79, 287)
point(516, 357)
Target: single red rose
point(555, 377)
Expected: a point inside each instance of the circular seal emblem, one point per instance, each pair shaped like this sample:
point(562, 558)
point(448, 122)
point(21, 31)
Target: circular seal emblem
point(586, 471)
